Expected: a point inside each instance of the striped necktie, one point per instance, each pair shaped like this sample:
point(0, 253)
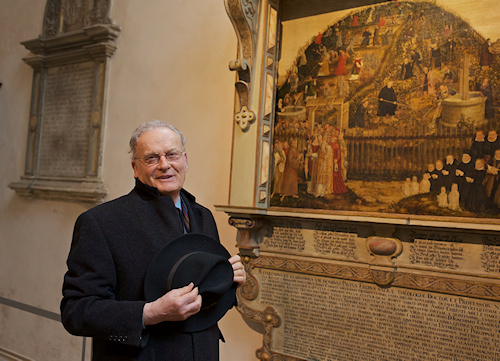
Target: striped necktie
point(186, 225)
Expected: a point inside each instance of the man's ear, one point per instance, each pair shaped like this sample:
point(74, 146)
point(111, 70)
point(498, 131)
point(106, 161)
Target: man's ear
point(186, 160)
point(134, 167)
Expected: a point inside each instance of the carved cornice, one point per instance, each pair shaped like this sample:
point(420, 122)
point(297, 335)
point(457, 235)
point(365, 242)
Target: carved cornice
point(451, 286)
point(87, 44)
point(69, 190)
point(74, 40)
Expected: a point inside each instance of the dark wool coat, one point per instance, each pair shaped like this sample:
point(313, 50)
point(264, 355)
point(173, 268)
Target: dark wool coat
point(103, 292)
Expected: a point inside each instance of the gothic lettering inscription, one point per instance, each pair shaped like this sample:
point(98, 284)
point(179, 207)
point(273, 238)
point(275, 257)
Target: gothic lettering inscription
point(285, 235)
point(332, 241)
point(332, 319)
point(66, 120)
point(490, 258)
point(443, 255)
point(313, 238)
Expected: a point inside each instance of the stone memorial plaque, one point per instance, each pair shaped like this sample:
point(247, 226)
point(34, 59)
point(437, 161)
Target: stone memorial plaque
point(66, 120)
point(334, 319)
point(70, 62)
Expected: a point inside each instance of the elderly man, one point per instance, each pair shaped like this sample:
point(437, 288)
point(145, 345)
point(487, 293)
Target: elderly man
point(113, 246)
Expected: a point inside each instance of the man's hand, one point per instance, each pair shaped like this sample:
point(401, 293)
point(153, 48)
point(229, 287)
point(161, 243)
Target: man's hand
point(175, 305)
point(240, 275)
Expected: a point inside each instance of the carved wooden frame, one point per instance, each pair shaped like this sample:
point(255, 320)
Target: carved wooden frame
point(74, 32)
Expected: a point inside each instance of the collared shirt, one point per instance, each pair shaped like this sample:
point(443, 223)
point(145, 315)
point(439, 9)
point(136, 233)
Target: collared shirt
point(178, 204)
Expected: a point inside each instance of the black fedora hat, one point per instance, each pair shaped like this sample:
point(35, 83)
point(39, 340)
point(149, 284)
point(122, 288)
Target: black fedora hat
point(199, 259)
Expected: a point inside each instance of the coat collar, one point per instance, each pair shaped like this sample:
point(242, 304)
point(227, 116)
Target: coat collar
point(149, 192)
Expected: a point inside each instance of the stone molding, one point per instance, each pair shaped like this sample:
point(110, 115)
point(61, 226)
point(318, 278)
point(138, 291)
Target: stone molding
point(88, 43)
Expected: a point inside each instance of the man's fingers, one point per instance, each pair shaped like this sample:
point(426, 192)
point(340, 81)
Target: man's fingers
point(234, 259)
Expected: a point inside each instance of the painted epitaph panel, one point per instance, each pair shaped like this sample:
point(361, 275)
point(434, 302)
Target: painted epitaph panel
point(376, 235)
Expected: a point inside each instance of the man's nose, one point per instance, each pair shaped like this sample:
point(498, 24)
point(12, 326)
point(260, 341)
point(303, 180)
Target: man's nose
point(163, 163)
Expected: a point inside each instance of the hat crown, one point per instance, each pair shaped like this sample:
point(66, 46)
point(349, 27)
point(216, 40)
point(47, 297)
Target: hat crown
point(211, 273)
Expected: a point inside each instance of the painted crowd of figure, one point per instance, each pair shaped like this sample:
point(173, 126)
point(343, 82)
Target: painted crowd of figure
point(377, 60)
point(317, 160)
point(472, 184)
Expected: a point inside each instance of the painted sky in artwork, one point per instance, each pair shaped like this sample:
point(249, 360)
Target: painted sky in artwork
point(297, 32)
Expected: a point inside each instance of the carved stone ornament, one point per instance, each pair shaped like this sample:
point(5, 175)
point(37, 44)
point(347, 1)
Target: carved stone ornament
point(247, 231)
point(63, 16)
point(70, 61)
point(244, 16)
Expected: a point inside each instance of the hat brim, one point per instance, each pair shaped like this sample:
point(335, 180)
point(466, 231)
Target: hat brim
point(155, 283)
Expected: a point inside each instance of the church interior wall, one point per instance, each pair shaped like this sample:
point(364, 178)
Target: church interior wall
point(171, 64)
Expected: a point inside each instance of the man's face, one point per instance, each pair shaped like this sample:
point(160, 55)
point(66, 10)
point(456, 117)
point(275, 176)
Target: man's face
point(168, 177)
point(492, 135)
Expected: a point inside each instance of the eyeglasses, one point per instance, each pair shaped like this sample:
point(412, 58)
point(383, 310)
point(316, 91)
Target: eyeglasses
point(154, 158)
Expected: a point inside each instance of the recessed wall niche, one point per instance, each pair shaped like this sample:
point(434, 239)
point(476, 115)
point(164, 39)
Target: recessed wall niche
point(70, 62)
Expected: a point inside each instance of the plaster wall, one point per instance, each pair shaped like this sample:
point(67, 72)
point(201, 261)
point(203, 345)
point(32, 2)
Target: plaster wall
point(171, 64)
